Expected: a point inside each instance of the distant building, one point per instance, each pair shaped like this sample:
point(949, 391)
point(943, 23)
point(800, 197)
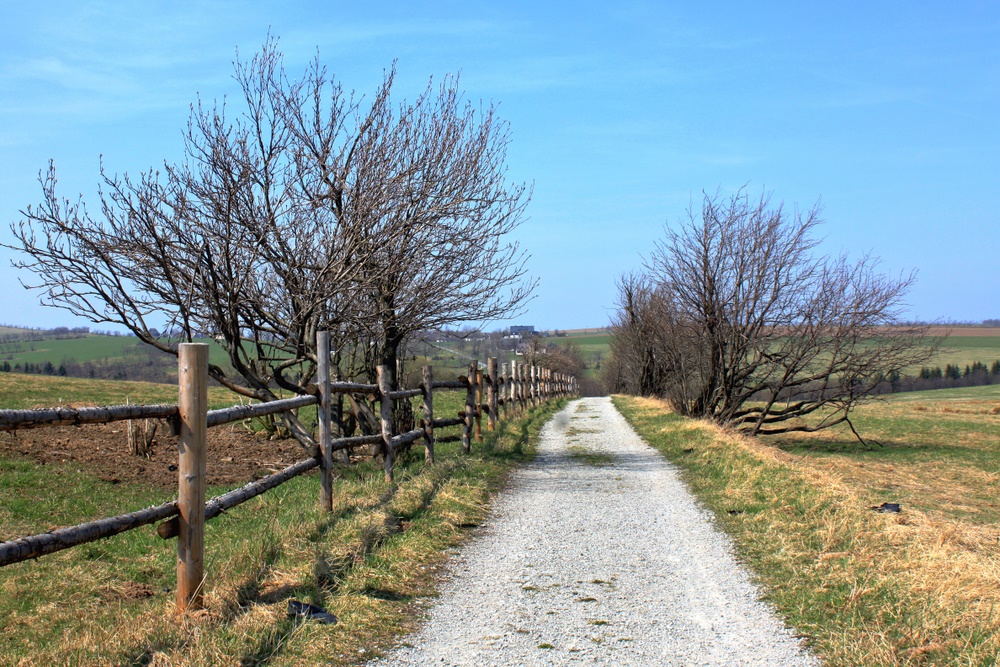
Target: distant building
point(521, 330)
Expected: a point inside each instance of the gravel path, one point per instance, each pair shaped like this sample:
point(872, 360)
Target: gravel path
point(591, 561)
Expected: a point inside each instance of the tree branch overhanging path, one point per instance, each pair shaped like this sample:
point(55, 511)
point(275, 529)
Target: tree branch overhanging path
point(300, 207)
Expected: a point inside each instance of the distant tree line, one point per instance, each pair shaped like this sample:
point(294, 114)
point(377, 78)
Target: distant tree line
point(934, 377)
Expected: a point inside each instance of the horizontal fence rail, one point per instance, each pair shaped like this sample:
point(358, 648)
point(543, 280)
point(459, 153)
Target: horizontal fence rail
point(512, 390)
point(241, 412)
point(24, 548)
point(220, 504)
point(13, 420)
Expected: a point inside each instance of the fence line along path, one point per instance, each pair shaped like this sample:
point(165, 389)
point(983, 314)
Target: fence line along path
point(598, 555)
point(513, 391)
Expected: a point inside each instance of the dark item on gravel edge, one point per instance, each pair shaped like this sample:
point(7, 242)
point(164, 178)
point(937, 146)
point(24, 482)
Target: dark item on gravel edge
point(307, 611)
point(887, 508)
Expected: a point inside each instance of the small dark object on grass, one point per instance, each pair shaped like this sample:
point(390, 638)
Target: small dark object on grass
point(688, 450)
point(887, 507)
point(734, 512)
point(307, 611)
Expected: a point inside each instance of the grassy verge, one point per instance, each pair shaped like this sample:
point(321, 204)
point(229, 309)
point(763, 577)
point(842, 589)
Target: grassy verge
point(920, 587)
point(371, 563)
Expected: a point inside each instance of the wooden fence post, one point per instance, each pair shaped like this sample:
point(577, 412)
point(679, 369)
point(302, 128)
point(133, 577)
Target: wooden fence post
point(386, 409)
point(428, 375)
point(533, 380)
point(502, 388)
point(479, 405)
point(470, 408)
point(325, 437)
point(192, 403)
point(522, 386)
point(514, 404)
point(491, 391)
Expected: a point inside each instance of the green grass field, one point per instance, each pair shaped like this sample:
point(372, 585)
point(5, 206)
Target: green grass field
point(966, 350)
point(92, 347)
point(596, 348)
point(370, 562)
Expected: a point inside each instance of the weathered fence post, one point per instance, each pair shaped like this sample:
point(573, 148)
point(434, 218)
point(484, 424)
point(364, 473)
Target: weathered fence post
point(502, 388)
point(491, 397)
point(533, 385)
point(428, 387)
point(385, 402)
point(192, 403)
point(479, 405)
point(470, 408)
point(325, 438)
point(514, 406)
point(522, 402)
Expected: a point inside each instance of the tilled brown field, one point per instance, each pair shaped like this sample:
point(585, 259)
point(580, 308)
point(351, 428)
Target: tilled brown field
point(235, 455)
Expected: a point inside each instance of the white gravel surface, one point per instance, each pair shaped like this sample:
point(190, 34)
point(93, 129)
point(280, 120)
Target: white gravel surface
point(598, 565)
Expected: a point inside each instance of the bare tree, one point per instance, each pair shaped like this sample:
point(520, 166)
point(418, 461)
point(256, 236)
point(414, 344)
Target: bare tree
point(427, 198)
point(306, 210)
point(738, 320)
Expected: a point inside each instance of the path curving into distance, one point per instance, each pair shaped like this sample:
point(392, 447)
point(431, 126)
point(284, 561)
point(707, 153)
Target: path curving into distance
point(598, 555)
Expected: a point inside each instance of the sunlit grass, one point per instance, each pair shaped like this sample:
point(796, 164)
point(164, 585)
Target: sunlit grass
point(369, 562)
point(918, 587)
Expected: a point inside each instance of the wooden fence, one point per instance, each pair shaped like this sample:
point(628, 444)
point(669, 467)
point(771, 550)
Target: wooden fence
point(514, 389)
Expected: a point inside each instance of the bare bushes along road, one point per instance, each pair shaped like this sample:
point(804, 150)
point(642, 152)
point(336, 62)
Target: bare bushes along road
point(597, 554)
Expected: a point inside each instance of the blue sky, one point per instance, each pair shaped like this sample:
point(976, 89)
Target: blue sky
point(621, 114)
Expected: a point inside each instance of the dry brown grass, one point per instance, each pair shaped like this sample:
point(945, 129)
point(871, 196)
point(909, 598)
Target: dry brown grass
point(917, 588)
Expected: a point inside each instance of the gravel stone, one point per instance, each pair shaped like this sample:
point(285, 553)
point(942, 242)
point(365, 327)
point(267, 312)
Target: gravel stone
point(584, 564)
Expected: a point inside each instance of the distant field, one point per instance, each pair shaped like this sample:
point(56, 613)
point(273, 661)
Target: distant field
point(20, 392)
point(93, 348)
point(964, 349)
point(595, 344)
point(965, 346)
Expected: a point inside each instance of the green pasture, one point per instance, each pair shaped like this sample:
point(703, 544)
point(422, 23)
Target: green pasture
point(91, 347)
point(596, 348)
point(966, 350)
point(368, 562)
point(957, 349)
